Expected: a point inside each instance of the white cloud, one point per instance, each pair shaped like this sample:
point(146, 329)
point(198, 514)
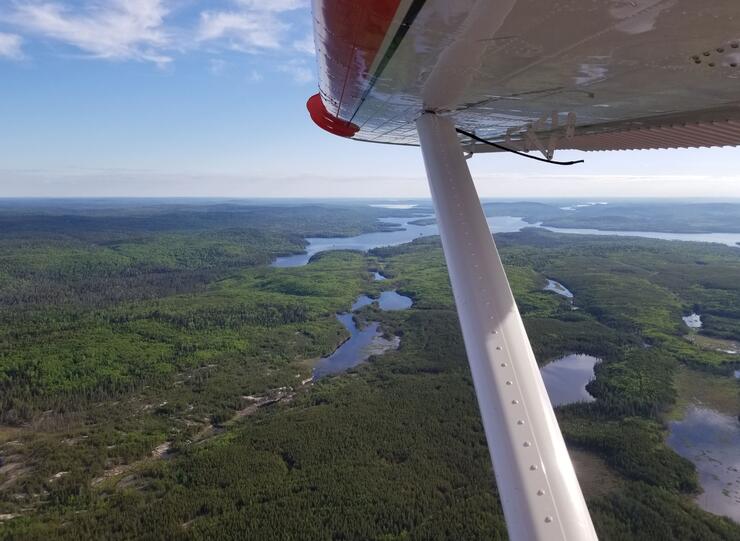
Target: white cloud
point(298, 70)
point(246, 31)
point(142, 30)
point(305, 45)
point(251, 25)
point(10, 46)
point(276, 6)
point(112, 29)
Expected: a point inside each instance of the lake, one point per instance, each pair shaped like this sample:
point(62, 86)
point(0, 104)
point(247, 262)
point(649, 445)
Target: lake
point(368, 241)
point(566, 378)
point(361, 345)
point(730, 239)
point(499, 224)
point(711, 440)
point(392, 300)
point(363, 342)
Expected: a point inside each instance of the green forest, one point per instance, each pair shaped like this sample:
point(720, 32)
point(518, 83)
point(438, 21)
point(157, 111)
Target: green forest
point(153, 373)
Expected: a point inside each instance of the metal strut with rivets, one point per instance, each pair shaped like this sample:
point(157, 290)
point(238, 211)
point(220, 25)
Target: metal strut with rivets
point(540, 494)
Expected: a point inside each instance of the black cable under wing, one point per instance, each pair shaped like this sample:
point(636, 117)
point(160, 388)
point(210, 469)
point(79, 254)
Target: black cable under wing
point(514, 151)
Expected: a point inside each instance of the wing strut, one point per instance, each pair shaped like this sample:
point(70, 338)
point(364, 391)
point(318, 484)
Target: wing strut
point(539, 491)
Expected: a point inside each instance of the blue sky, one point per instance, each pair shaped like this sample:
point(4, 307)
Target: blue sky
point(207, 98)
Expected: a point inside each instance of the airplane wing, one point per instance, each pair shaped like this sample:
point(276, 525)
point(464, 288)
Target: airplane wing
point(455, 76)
point(578, 74)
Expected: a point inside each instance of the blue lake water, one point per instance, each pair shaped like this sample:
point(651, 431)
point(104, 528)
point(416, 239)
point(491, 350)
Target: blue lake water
point(730, 239)
point(368, 241)
point(392, 300)
point(498, 224)
point(711, 440)
point(361, 302)
point(363, 342)
point(566, 378)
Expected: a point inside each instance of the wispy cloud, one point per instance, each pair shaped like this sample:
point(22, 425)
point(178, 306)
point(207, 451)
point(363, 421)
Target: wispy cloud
point(10, 46)
point(244, 31)
point(155, 31)
point(305, 45)
point(298, 70)
point(112, 29)
point(276, 6)
point(258, 26)
point(249, 25)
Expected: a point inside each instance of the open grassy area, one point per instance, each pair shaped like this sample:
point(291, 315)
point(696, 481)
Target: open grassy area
point(719, 393)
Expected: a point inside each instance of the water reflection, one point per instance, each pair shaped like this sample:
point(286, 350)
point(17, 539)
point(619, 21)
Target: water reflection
point(368, 241)
point(557, 287)
point(566, 378)
point(363, 342)
point(361, 345)
point(498, 224)
point(361, 302)
point(729, 239)
point(395, 206)
point(692, 321)
point(392, 300)
point(711, 440)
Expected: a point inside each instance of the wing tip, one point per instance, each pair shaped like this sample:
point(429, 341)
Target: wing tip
point(327, 121)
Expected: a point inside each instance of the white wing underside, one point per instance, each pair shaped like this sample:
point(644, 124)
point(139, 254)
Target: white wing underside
point(575, 74)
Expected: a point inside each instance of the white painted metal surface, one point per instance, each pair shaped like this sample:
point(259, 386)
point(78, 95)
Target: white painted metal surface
point(538, 486)
point(617, 65)
point(668, 136)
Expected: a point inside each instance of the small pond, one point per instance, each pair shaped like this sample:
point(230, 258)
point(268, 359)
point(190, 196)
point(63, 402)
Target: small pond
point(711, 440)
point(566, 378)
point(363, 342)
point(557, 287)
point(361, 302)
point(361, 345)
point(392, 300)
point(693, 321)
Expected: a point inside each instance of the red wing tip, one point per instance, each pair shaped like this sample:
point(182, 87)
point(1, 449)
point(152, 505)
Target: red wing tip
point(327, 121)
